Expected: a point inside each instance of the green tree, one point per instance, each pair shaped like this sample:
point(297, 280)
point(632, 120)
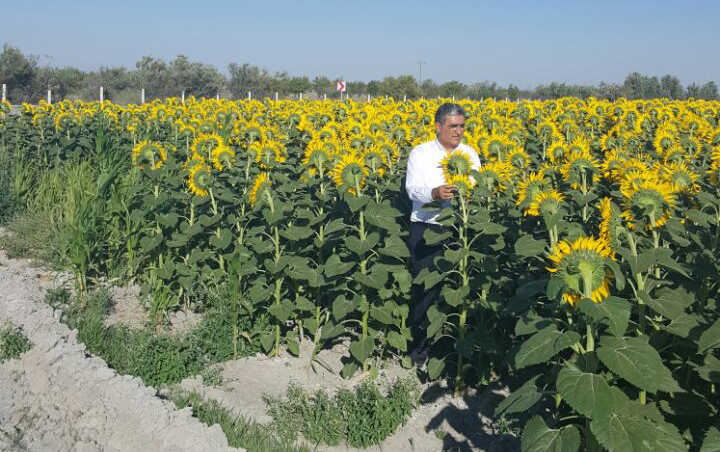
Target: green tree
point(297, 85)
point(671, 88)
point(453, 88)
point(18, 72)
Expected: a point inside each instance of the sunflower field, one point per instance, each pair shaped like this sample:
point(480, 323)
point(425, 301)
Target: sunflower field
point(581, 263)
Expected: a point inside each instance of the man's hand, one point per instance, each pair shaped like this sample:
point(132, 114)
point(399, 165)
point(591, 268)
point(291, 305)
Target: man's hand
point(443, 192)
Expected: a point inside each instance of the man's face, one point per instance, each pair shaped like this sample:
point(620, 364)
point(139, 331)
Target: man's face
point(450, 132)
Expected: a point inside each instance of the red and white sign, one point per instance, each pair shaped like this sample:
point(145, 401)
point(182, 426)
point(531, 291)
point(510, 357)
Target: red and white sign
point(341, 86)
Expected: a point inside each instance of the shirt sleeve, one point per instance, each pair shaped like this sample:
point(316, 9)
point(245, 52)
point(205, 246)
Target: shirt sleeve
point(415, 184)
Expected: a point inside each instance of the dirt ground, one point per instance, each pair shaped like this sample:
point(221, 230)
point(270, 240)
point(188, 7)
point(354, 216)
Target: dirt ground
point(56, 397)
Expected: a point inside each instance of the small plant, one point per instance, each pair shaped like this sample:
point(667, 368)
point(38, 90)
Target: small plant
point(12, 342)
point(360, 418)
point(56, 298)
point(212, 376)
point(240, 432)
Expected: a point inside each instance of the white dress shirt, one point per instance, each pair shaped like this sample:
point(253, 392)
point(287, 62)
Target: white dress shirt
point(424, 173)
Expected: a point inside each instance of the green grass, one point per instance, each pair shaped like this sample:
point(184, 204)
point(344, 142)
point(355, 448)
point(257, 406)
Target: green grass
point(240, 432)
point(12, 342)
point(157, 358)
point(361, 418)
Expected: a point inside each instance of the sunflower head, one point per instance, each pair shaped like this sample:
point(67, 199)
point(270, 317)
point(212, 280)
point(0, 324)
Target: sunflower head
point(199, 178)
point(647, 201)
point(222, 157)
point(714, 170)
point(680, 176)
point(149, 153)
point(463, 183)
point(610, 223)
point(545, 203)
point(455, 163)
point(495, 176)
point(350, 173)
point(532, 184)
point(583, 268)
point(580, 168)
point(260, 185)
point(375, 161)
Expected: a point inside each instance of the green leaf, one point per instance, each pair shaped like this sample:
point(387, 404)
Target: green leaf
point(292, 343)
point(520, 400)
point(671, 303)
point(531, 323)
point(341, 307)
point(360, 247)
point(433, 237)
point(349, 369)
point(223, 241)
point(303, 304)
point(664, 259)
point(543, 345)
point(712, 441)
point(395, 247)
point(620, 432)
point(538, 437)
point(634, 360)
point(281, 311)
point(383, 314)
point(267, 341)
point(682, 325)
point(334, 266)
point(614, 311)
point(710, 371)
point(362, 349)
point(376, 279)
point(527, 246)
point(710, 338)
point(455, 297)
point(587, 393)
point(520, 302)
point(435, 368)
point(397, 340)
point(295, 233)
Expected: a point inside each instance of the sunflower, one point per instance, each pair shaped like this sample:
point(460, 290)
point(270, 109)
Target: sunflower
point(680, 176)
point(529, 186)
point(518, 158)
point(557, 151)
point(269, 153)
point(199, 176)
point(316, 156)
point(582, 266)
point(150, 152)
point(545, 202)
point(463, 183)
point(455, 163)
point(376, 161)
point(205, 143)
point(647, 200)
point(715, 167)
point(262, 182)
point(578, 168)
point(610, 223)
point(664, 140)
point(495, 175)
point(349, 173)
point(222, 157)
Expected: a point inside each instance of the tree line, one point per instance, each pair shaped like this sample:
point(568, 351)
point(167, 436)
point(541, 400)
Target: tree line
point(27, 81)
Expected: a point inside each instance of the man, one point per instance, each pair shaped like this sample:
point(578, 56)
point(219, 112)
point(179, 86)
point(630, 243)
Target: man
point(425, 184)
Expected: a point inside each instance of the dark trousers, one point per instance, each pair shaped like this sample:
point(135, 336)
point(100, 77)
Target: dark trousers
point(422, 256)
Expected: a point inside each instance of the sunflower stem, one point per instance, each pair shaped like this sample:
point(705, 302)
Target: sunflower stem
point(590, 339)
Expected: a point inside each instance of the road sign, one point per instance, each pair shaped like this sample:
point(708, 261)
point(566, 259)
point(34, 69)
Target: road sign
point(341, 86)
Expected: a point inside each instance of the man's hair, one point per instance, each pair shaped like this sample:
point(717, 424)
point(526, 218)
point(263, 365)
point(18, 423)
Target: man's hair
point(448, 109)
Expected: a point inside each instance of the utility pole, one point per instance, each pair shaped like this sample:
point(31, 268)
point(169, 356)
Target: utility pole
point(420, 63)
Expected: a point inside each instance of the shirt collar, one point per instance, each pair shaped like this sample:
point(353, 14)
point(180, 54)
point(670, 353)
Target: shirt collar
point(442, 148)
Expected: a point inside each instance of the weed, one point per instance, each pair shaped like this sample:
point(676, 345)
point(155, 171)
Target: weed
point(240, 432)
point(440, 433)
point(57, 298)
point(12, 342)
point(361, 418)
point(212, 376)
point(156, 358)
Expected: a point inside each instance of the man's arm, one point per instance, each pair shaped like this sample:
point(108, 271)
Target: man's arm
point(415, 184)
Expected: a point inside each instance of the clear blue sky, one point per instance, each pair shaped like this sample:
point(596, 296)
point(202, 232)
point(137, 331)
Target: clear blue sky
point(521, 42)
